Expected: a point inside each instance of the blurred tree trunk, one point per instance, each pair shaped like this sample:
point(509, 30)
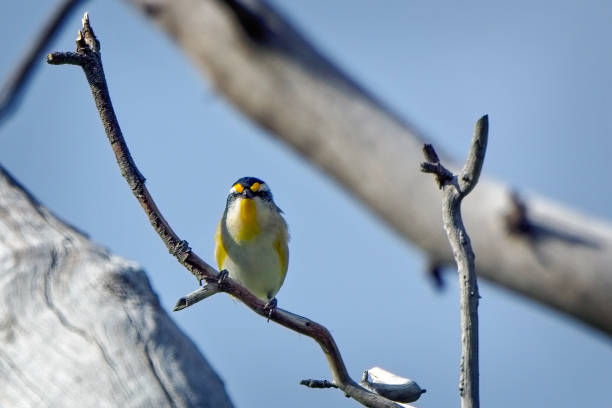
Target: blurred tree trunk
point(265, 68)
point(82, 327)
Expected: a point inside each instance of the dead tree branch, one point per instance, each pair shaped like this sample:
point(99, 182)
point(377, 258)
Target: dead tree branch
point(454, 189)
point(87, 56)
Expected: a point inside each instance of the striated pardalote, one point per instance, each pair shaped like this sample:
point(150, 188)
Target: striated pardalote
point(251, 242)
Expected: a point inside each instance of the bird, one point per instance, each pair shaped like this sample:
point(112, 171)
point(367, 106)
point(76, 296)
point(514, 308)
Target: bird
point(251, 241)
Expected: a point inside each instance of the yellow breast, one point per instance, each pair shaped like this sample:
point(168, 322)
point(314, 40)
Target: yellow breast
point(249, 228)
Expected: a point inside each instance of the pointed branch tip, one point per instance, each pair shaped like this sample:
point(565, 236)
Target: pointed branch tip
point(430, 154)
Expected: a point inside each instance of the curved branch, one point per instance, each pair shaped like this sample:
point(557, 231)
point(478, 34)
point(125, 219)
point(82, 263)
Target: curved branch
point(88, 58)
point(262, 65)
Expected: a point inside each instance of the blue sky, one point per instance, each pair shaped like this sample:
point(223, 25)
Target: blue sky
point(541, 70)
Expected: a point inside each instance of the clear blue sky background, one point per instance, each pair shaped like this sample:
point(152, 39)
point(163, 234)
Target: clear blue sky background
point(541, 70)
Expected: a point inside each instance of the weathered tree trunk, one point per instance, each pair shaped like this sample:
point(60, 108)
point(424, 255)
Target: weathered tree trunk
point(82, 327)
point(267, 70)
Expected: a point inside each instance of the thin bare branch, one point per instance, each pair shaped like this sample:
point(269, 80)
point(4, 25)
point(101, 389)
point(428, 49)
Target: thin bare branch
point(454, 189)
point(91, 63)
point(15, 84)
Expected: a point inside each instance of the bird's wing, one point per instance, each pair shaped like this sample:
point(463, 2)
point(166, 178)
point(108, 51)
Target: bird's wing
point(220, 252)
point(281, 245)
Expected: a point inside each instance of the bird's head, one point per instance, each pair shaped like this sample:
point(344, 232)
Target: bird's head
point(249, 188)
point(249, 208)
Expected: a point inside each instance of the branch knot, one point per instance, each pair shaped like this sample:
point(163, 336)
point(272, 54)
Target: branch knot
point(181, 250)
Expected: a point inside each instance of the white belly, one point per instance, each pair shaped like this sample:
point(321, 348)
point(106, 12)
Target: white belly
point(256, 265)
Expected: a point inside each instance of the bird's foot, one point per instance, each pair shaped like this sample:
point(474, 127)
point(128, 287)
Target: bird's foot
point(222, 276)
point(270, 307)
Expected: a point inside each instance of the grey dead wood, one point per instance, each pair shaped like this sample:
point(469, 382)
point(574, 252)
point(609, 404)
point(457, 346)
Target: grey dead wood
point(88, 57)
point(263, 66)
point(80, 326)
point(454, 189)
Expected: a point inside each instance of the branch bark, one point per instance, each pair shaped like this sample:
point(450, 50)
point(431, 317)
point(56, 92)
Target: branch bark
point(454, 189)
point(88, 57)
point(259, 62)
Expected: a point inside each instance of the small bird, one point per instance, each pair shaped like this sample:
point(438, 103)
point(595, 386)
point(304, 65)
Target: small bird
point(251, 242)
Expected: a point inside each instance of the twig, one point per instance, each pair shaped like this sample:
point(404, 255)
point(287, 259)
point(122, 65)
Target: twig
point(88, 58)
point(194, 297)
point(15, 84)
point(454, 189)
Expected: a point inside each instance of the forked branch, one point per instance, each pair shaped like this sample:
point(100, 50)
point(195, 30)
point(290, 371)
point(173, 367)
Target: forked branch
point(454, 189)
point(87, 56)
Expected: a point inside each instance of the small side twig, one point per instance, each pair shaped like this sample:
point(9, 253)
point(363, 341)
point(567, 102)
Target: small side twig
point(14, 85)
point(433, 165)
point(196, 296)
point(88, 57)
point(454, 189)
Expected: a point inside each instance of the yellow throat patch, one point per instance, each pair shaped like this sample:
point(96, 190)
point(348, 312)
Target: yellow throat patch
point(248, 220)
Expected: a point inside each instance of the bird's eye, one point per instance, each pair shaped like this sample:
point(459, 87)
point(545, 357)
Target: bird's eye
point(255, 187)
point(239, 188)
